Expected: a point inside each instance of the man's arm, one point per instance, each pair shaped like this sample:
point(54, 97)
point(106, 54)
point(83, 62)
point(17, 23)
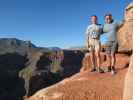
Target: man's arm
point(87, 37)
point(87, 30)
point(87, 42)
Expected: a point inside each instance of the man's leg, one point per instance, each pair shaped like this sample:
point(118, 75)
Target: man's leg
point(113, 61)
point(92, 58)
point(108, 55)
point(98, 57)
point(113, 58)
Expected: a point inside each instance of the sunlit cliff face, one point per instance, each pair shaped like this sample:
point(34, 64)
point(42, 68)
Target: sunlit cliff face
point(129, 12)
point(125, 33)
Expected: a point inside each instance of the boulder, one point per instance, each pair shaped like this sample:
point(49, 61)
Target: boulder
point(128, 88)
point(126, 39)
point(126, 30)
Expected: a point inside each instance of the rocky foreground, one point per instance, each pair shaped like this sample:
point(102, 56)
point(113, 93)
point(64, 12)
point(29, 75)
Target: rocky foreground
point(89, 86)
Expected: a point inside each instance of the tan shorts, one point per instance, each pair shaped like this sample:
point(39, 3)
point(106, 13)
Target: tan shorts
point(94, 44)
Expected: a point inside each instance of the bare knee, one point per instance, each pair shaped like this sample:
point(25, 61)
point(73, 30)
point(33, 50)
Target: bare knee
point(112, 55)
point(97, 54)
point(92, 53)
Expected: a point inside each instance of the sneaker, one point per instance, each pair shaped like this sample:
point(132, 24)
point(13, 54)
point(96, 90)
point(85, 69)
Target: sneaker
point(113, 72)
point(93, 70)
point(100, 70)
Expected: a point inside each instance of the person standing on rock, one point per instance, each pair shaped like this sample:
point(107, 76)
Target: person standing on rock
point(93, 34)
point(110, 29)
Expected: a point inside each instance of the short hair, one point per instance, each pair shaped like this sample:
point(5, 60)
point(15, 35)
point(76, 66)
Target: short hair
point(94, 16)
point(109, 14)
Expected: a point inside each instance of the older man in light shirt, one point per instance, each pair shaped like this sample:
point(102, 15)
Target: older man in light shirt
point(93, 34)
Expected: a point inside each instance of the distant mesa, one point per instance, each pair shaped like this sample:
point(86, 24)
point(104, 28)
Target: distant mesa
point(11, 45)
point(77, 48)
point(15, 42)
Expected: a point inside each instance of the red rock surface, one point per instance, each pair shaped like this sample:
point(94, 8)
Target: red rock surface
point(89, 86)
point(125, 36)
point(126, 42)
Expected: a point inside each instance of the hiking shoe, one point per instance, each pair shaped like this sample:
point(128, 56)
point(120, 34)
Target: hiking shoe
point(113, 72)
point(100, 70)
point(93, 70)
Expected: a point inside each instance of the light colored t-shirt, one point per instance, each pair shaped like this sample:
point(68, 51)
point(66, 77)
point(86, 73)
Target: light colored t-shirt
point(111, 30)
point(93, 31)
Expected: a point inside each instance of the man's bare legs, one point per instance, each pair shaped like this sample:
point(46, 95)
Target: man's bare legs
point(98, 59)
point(92, 58)
point(97, 53)
point(108, 55)
point(112, 60)
point(95, 58)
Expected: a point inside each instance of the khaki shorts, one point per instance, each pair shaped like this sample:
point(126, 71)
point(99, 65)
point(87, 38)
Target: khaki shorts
point(94, 44)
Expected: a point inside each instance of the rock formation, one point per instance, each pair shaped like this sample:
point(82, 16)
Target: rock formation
point(125, 32)
point(127, 43)
point(28, 68)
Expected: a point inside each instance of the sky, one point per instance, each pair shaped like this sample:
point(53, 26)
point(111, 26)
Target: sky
point(54, 23)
